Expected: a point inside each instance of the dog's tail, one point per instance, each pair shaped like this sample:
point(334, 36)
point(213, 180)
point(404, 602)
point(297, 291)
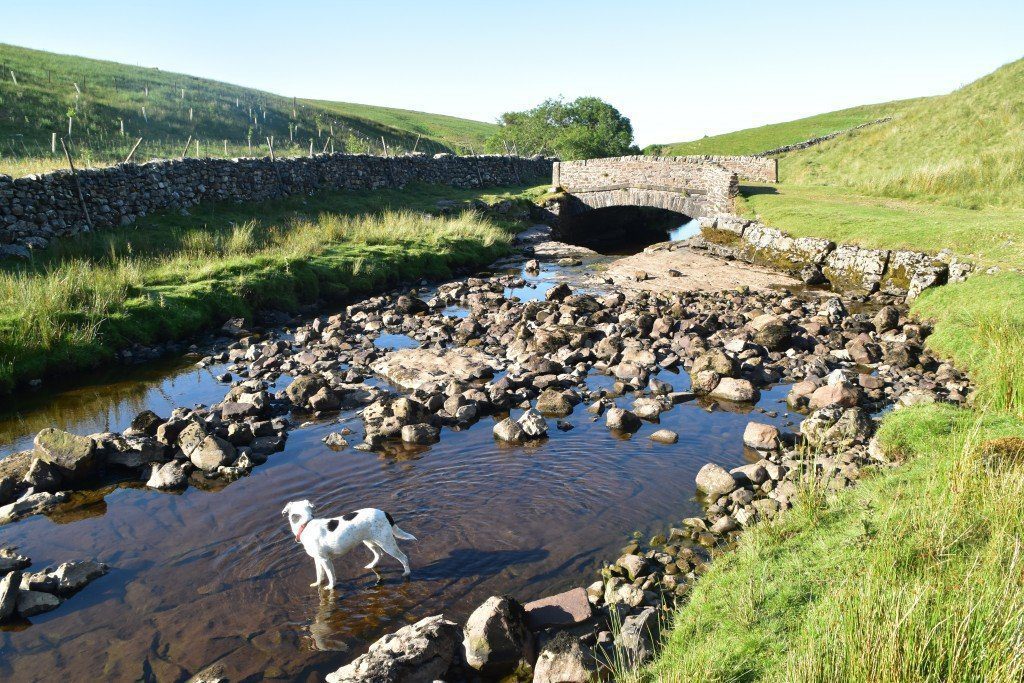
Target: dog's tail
point(398, 533)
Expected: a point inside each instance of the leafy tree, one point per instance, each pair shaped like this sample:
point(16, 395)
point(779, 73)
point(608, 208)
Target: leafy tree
point(585, 128)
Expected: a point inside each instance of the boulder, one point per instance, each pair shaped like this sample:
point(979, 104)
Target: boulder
point(716, 360)
point(73, 576)
point(534, 425)
point(145, 424)
point(303, 388)
point(42, 476)
point(31, 603)
point(419, 653)
point(887, 318)
point(770, 331)
point(496, 641)
point(212, 453)
point(135, 451)
point(554, 402)
point(11, 560)
point(760, 436)
point(9, 594)
point(736, 390)
point(170, 476)
point(413, 368)
point(622, 420)
point(665, 436)
point(647, 408)
point(509, 430)
point(835, 429)
point(842, 395)
point(639, 635)
point(704, 382)
point(410, 305)
point(715, 481)
point(73, 456)
point(421, 433)
point(563, 660)
point(564, 609)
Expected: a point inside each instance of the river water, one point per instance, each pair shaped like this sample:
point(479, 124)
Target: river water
point(210, 576)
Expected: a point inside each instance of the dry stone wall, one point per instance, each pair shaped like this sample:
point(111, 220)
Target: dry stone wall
point(820, 139)
point(37, 209)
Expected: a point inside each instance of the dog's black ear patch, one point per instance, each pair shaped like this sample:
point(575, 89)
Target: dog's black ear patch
point(332, 525)
point(350, 516)
point(391, 520)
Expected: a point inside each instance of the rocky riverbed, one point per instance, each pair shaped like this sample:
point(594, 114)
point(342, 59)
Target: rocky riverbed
point(579, 354)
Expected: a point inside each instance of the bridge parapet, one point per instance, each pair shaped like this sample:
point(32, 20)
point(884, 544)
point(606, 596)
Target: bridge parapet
point(709, 186)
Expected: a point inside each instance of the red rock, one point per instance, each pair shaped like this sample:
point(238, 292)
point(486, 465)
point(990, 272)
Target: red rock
point(564, 609)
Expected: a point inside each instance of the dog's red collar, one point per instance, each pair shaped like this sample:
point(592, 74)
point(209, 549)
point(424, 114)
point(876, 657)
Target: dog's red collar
point(298, 534)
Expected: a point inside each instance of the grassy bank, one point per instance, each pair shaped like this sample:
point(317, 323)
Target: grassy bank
point(915, 575)
point(987, 236)
point(170, 277)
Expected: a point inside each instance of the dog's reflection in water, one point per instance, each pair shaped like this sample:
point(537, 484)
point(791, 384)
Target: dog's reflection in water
point(358, 611)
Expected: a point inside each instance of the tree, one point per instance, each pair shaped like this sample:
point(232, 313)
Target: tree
point(585, 128)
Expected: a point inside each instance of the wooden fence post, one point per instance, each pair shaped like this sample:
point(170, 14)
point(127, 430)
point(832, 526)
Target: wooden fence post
point(78, 185)
point(132, 153)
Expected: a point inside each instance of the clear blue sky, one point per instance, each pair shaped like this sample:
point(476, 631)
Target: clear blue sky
point(679, 70)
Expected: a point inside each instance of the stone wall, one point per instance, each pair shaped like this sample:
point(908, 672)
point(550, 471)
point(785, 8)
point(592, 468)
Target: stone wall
point(716, 185)
point(759, 168)
point(820, 139)
point(36, 209)
point(816, 260)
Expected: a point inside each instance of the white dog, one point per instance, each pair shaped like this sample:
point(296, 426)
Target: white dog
point(327, 538)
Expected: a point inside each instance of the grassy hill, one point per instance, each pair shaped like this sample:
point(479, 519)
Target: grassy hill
point(763, 138)
point(965, 148)
point(111, 105)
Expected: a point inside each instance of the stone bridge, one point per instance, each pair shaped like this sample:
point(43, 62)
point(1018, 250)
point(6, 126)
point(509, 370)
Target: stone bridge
point(691, 186)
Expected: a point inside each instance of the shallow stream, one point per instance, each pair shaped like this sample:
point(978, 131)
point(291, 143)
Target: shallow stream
point(214, 576)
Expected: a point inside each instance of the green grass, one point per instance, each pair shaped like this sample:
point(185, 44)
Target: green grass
point(453, 132)
point(917, 574)
point(170, 277)
point(102, 94)
point(964, 149)
point(763, 138)
point(989, 236)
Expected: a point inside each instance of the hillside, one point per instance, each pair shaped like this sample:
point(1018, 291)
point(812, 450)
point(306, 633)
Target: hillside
point(762, 138)
point(111, 105)
point(965, 149)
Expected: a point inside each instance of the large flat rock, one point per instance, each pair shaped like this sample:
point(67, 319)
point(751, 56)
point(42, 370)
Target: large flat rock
point(412, 368)
point(695, 272)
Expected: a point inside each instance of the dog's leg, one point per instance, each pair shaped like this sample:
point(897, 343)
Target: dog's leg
point(376, 555)
point(329, 568)
point(319, 572)
point(390, 546)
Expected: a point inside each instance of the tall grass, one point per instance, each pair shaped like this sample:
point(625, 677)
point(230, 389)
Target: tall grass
point(92, 296)
point(915, 575)
point(980, 325)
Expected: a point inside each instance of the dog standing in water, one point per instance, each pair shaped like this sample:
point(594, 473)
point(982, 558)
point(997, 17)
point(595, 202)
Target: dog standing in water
point(324, 539)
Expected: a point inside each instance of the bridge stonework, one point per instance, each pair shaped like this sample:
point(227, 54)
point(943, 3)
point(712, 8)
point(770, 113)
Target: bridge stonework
point(695, 187)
